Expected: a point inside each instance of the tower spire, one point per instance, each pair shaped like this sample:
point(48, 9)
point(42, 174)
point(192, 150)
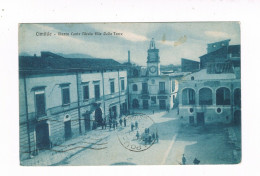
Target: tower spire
point(152, 44)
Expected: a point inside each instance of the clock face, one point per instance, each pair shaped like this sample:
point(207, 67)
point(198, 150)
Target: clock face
point(152, 69)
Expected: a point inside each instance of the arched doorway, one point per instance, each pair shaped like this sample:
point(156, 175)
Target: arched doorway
point(135, 103)
point(237, 117)
point(98, 116)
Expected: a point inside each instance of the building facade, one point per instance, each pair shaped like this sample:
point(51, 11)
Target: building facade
point(213, 94)
point(61, 98)
point(148, 88)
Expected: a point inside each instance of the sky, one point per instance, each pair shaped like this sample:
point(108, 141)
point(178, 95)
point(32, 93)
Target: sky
point(174, 40)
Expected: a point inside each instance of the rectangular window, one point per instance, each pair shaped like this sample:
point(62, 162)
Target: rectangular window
point(153, 100)
point(65, 95)
point(97, 91)
point(122, 85)
point(162, 87)
point(86, 92)
point(112, 87)
point(144, 88)
point(40, 103)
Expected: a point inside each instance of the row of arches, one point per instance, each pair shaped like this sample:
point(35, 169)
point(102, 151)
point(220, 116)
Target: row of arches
point(223, 96)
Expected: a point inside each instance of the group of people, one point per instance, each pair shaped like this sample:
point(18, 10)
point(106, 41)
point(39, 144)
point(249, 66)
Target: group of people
point(148, 137)
point(134, 125)
point(113, 123)
point(195, 161)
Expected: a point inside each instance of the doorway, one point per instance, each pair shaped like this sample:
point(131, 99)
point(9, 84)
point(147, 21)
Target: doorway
point(162, 104)
point(135, 103)
point(98, 116)
point(145, 104)
point(200, 119)
point(191, 120)
point(67, 128)
point(42, 136)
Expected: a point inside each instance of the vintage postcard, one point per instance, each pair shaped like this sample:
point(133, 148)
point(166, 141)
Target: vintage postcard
point(129, 93)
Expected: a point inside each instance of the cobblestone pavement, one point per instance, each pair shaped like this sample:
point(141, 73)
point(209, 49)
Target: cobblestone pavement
point(211, 145)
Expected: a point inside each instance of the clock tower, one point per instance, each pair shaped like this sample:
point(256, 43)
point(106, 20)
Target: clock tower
point(153, 60)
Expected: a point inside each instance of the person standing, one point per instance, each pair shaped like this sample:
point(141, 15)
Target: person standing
point(196, 161)
point(110, 124)
point(149, 139)
point(132, 126)
point(114, 124)
point(183, 160)
point(157, 137)
point(137, 135)
point(153, 136)
point(124, 122)
point(105, 123)
point(136, 125)
point(120, 121)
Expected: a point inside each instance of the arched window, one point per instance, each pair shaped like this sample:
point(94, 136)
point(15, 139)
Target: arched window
point(205, 96)
point(135, 88)
point(188, 96)
point(223, 96)
point(237, 97)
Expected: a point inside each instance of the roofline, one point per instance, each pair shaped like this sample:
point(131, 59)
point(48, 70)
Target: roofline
point(219, 41)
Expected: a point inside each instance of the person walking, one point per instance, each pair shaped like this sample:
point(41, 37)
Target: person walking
point(136, 125)
point(183, 160)
point(102, 124)
point(137, 135)
point(149, 139)
point(124, 122)
point(110, 124)
point(105, 123)
point(196, 161)
point(114, 124)
point(120, 121)
point(132, 126)
point(157, 137)
point(153, 136)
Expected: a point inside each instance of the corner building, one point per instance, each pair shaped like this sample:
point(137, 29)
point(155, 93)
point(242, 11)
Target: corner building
point(61, 98)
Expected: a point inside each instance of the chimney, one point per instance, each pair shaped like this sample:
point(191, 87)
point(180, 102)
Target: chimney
point(129, 56)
